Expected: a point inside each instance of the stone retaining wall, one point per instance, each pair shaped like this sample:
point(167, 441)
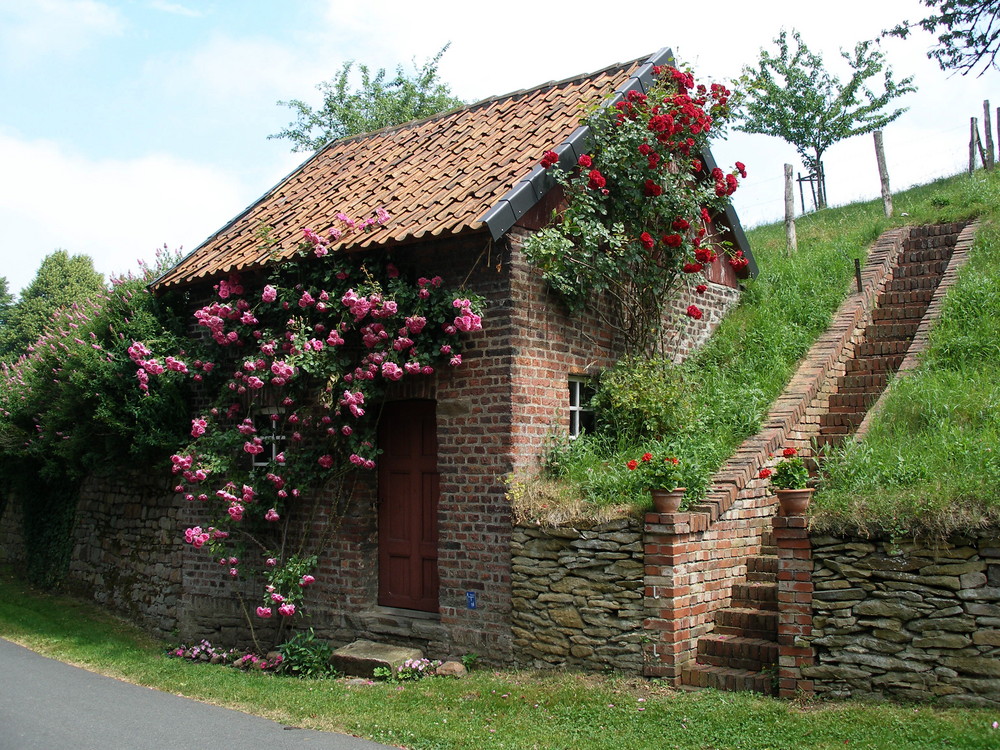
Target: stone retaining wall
point(578, 597)
point(906, 620)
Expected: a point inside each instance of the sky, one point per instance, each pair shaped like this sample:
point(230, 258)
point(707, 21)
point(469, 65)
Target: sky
point(132, 125)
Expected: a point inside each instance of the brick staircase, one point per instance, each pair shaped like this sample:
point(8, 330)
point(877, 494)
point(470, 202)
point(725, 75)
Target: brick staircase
point(742, 651)
point(895, 320)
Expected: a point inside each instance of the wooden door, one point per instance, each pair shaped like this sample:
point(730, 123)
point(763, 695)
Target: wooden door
point(407, 507)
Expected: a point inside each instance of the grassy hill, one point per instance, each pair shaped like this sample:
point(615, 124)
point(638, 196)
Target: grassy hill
point(939, 479)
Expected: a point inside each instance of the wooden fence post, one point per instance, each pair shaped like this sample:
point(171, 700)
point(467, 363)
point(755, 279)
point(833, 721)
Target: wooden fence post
point(883, 174)
point(988, 128)
point(791, 245)
point(973, 137)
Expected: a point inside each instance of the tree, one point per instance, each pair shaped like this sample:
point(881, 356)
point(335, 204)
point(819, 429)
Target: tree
point(377, 103)
point(61, 280)
point(791, 96)
point(968, 33)
point(6, 300)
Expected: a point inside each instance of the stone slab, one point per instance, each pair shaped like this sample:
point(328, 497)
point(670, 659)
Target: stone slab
point(362, 657)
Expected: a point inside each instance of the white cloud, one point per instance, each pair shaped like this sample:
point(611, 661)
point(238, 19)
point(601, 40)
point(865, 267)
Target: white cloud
point(114, 211)
point(175, 8)
point(42, 29)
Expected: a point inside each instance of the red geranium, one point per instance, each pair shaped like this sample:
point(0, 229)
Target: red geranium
point(765, 473)
point(789, 452)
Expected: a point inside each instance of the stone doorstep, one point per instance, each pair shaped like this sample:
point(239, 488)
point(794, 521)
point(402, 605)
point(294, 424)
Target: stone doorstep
point(361, 658)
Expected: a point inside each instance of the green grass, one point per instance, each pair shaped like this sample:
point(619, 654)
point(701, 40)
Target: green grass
point(739, 373)
point(488, 709)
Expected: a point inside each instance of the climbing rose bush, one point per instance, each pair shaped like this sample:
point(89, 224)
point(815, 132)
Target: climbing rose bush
point(299, 368)
point(639, 205)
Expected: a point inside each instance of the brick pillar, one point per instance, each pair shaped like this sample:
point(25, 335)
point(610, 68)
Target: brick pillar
point(671, 601)
point(795, 593)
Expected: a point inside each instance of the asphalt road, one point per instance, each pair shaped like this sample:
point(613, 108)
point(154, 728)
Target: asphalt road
point(48, 705)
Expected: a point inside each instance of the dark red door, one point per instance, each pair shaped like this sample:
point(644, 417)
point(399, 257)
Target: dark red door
point(407, 507)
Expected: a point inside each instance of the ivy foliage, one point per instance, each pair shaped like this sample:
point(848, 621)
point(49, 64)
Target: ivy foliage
point(791, 95)
point(376, 103)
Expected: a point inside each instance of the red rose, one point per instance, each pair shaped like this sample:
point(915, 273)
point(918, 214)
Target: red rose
point(695, 165)
point(680, 225)
point(704, 215)
point(693, 311)
point(645, 149)
point(672, 240)
point(692, 267)
point(585, 161)
point(646, 239)
point(653, 159)
point(652, 189)
point(742, 169)
point(596, 180)
point(549, 159)
point(704, 255)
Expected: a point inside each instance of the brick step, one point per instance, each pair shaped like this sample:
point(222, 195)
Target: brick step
point(931, 268)
point(823, 440)
point(723, 678)
point(769, 550)
point(736, 652)
point(861, 366)
point(870, 383)
point(899, 312)
point(891, 330)
point(762, 565)
point(881, 348)
point(839, 424)
point(927, 254)
point(907, 297)
point(749, 623)
point(755, 594)
point(911, 283)
point(849, 403)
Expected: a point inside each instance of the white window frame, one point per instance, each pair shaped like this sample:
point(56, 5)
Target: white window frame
point(270, 434)
point(581, 390)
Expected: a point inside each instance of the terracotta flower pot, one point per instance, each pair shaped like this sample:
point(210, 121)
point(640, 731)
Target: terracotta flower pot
point(667, 501)
point(794, 502)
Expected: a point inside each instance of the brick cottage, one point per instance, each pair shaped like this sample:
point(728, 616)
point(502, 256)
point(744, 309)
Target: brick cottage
point(422, 555)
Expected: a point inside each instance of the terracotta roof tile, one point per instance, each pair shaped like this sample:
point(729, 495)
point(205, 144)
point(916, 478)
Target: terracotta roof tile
point(435, 176)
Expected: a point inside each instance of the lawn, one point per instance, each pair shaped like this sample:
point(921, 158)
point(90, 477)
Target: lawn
point(517, 710)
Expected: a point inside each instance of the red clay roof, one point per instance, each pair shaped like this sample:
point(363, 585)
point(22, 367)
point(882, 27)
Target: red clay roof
point(437, 176)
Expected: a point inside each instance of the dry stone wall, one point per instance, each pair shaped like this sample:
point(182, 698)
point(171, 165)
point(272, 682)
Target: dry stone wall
point(577, 596)
point(907, 620)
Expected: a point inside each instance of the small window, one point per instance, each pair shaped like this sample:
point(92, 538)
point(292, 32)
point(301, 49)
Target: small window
point(581, 414)
point(270, 431)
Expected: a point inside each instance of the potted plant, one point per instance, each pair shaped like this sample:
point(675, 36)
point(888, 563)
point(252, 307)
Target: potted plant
point(789, 480)
point(659, 474)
